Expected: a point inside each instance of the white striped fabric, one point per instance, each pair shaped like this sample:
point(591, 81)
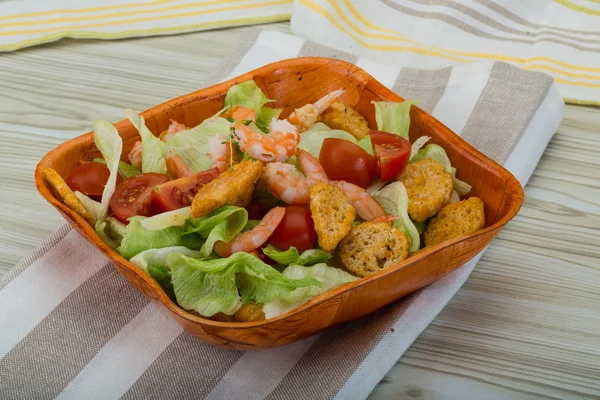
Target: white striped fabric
point(85, 333)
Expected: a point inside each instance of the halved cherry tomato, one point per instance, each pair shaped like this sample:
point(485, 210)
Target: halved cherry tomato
point(133, 196)
point(346, 161)
point(90, 179)
point(392, 153)
point(254, 211)
point(180, 192)
point(295, 229)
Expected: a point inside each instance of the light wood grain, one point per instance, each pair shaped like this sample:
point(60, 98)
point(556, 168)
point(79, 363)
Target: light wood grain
point(525, 325)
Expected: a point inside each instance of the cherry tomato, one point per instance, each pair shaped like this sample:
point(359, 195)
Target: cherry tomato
point(295, 229)
point(254, 211)
point(133, 196)
point(180, 192)
point(90, 179)
point(392, 153)
point(346, 161)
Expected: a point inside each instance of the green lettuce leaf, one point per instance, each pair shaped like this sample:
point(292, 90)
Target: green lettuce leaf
point(125, 170)
point(417, 144)
point(292, 257)
point(110, 144)
point(192, 145)
point(267, 115)
point(167, 219)
point(153, 153)
point(211, 286)
point(394, 201)
point(162, 275)
point(312, 139)
point(138, 239)
point(222, 224)
point(111, 230)
point(437, 153)
point(366, 144)
point(158, 257)
point(91, 205)
point(328, 276)
point(248, 94)
point(393, 117)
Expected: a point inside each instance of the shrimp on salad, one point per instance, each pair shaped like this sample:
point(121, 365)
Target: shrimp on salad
point(306, 116)
point(278, 145)
point(221, 152)
point(135, 155)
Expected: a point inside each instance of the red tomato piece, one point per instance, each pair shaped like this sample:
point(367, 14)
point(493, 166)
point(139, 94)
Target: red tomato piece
point(132, 197)
point(90, 179)
point(343, 160)
point(180, 192)
point(295, 229)
point(393, 153)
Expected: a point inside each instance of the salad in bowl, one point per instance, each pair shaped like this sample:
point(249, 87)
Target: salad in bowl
point(247, 215)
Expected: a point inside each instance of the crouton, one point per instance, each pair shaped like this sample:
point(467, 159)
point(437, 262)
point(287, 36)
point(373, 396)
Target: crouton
point(454, 220)
point(340, 116)
point(371, 247)
point(331, 213)
point(428, 187)
point(250, 312)
point(65, 194)
point(233, 187)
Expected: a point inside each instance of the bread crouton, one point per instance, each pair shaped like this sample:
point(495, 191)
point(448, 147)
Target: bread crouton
point(454, 220)
point(65, 194)
point(428, 187)
point(234, 186)
point(371, 247)
point(331, 213)
point(250, 312)
point(340, 116)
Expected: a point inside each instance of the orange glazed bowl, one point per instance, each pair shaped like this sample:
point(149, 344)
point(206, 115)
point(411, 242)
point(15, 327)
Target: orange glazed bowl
point(293, 83)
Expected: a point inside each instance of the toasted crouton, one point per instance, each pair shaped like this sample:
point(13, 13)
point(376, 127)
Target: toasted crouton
point(428, 187)
point(233, 187)
point(371, 247)
point(249, 312)
point(331, 213)
point(340, 116)
point(65, 194)
point(454, 220)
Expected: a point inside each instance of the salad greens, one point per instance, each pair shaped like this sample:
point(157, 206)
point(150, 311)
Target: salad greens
point(110, 144)
point(111, 230)
point(248, 94)
point(393, 117)
point(312, 139)
point(292, 257)
point(125, 170)
point(153, 159)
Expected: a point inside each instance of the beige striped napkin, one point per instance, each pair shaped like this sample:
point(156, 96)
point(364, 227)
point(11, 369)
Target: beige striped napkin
point(558, 37)
point(72, 327)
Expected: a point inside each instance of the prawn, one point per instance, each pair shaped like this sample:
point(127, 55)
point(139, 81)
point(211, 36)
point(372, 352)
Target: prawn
point(278, 145)
point(286, 183)
point(176, 166)
point(135, 155)
point(306, 116)
point(366, 206)
point(172, 130)
point(253, 239)
point(221, 152)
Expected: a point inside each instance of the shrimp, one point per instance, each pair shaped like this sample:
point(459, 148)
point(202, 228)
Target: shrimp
point(176, 166)
point(221, 152)
point(366, 206)
point(172, 130)
point(253, 239)
point(306, 116)
point(387, 219)
point(243, 113)
point(135, 155)
point(286, 183)
point(278, 145)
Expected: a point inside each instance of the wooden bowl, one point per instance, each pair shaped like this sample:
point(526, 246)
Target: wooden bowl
point(294, 83)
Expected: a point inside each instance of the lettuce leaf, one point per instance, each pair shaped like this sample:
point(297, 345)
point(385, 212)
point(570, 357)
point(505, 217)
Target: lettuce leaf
point(328, 276)
point(394, 201)
point(125, 170)
point(417, 144)
point(167, 219)
point(158, 257)
point(248, 94)
point(292, 257)
point(211, 286)
point(393, 117)
point(153, 153)
point(437, 153)
point(366, 144)
point(267, 115)
point(110, 144)
point(312, 139)
point(111, 230)
point(192, 145)
point(91, 205)
point(222, 224)
point(138, 239)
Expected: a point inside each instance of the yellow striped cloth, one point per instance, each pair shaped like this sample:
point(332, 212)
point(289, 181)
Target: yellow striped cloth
point(558, 37)
point(25, 23)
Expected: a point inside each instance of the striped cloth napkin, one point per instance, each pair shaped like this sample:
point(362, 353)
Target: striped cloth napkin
point(72, 327)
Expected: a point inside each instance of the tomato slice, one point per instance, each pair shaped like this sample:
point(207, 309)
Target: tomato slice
point(343, 160)
point(90, 179)
point(295, 229)
point(132, 197)
point(180, 192)
point(392, 153)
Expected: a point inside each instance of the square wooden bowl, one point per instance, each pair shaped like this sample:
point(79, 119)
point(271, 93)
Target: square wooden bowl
point(294, 83)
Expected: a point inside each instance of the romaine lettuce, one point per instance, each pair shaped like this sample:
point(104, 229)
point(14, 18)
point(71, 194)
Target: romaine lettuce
point(292, 257)
point(167, 219)
point(329, 277)
point(312, 139)
point(91, 205)
point(248, 94)
point(158, 257)
point(393, 117)
point(111, 230)
point(110, 144)
point(153, 152)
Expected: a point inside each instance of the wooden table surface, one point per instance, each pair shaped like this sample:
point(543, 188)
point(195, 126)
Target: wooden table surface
point(526, 324)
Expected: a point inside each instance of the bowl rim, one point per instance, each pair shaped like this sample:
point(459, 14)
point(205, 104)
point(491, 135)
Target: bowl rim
point(512, 190)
